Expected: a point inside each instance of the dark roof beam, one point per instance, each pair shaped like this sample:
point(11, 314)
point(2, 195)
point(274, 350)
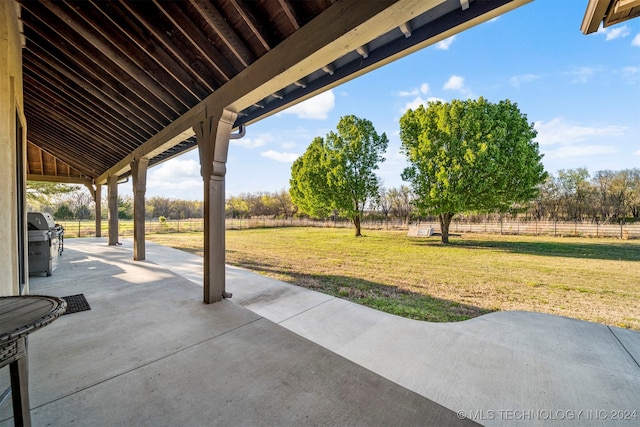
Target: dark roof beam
point(154, 56)
point(171, 45)
point(248, 20)
point(207, 50)
point(228, 36)
point(58, 90)
point(123, 63)
point(114, 88)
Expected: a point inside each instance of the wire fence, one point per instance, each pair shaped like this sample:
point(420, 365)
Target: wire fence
point(85, 228)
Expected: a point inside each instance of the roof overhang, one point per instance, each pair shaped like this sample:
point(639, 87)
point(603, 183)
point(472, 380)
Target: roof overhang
point(608, 12)
point(110, 82)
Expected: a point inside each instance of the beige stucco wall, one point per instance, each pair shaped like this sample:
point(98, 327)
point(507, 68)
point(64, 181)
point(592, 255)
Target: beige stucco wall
point(10, 104)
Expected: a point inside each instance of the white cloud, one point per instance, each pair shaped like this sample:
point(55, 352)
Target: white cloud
point(614, 33)
point(636, 40)
point(574, 151)
point(251, 142)
point(175, 169)
point(444, 44)
point(418, 101)
point(176, 178)
point(636, 153)
point(316, 108)
point(557, 131)
point(582, 74)
point(423, 89)
point(516, 81)
point(457, 83)
point(279, 156)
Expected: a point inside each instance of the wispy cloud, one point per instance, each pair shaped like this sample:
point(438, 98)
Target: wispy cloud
point(423, 89)
point(316, 108)
point(558, 131)
point(575, 151)
point(253, 142)
point(175, 176)
point(444, 44)
point(456, 83)
point(614, 33)
point(636, 40)
point(581, 74)
point(280, 156)
point(636, 153)
point(516, 81)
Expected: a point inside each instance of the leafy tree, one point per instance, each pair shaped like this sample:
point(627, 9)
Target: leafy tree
point(575, 192)
point(63, 212)
point(470, 156)
point(125, 207)
point(41, 193)
point(337, 173)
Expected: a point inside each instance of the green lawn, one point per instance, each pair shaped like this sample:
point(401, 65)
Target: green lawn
point(590, 279)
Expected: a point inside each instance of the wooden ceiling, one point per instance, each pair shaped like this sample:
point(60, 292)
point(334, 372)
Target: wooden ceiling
point(102, 78)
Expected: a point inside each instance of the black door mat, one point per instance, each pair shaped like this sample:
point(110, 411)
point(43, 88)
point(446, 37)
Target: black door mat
point(76, 303)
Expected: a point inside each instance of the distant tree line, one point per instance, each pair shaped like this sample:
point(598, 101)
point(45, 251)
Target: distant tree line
point(570, 195)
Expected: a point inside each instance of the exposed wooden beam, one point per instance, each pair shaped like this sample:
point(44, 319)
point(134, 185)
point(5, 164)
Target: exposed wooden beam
point(228, 36)
point(169, 44)
point(123, 61)
point(286, 7)
point(596, 9)
point(247, 19)
point(205, 48)
point(59, 179)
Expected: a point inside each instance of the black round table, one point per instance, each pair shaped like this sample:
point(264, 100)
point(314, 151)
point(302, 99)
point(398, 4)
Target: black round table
point(20, 316)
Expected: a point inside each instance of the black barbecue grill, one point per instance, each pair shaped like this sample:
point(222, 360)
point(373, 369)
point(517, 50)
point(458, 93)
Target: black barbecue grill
point(45, 242)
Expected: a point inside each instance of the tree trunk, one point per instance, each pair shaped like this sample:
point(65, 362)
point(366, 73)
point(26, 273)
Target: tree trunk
point(445, 220)
point(356, 223)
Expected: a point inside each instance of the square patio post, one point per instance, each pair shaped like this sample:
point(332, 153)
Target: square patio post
point(112, 186)
point(139, 174)
point(213, 143)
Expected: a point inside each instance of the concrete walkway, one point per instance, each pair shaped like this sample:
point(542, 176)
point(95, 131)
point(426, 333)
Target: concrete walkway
point(150, 353)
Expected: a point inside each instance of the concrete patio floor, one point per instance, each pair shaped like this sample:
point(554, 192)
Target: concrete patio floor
point(149, 352)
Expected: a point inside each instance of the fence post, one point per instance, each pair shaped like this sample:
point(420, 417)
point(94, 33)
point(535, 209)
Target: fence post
point(78, 228)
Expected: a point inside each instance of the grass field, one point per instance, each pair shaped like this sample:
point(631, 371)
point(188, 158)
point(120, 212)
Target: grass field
point(590, 279)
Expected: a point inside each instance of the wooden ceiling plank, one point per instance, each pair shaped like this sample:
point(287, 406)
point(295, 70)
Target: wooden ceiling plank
point(173, 12)
point(41, 162)
point(88, 165)
point(113, 89)
point(124, 62)
point(105, 123)
point(53, 118)
point(228, 36)
point(88, 94)
point(64, 114)
point(60, 179)
point(286, 7)
point(249, 22)
point(194, 67)
point(147, 56)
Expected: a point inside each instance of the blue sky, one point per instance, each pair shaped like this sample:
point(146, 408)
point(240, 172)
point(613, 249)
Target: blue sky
point(582, 93)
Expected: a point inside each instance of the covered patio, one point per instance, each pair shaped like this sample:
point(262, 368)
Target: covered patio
point(148, 352)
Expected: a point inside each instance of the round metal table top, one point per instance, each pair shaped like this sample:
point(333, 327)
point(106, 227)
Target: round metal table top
point(21, 315)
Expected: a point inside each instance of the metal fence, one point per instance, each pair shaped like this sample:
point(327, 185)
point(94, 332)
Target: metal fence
point(458, 226)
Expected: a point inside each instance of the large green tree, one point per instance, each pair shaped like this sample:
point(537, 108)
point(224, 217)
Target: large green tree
point(470, 156)
point(338, 173)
